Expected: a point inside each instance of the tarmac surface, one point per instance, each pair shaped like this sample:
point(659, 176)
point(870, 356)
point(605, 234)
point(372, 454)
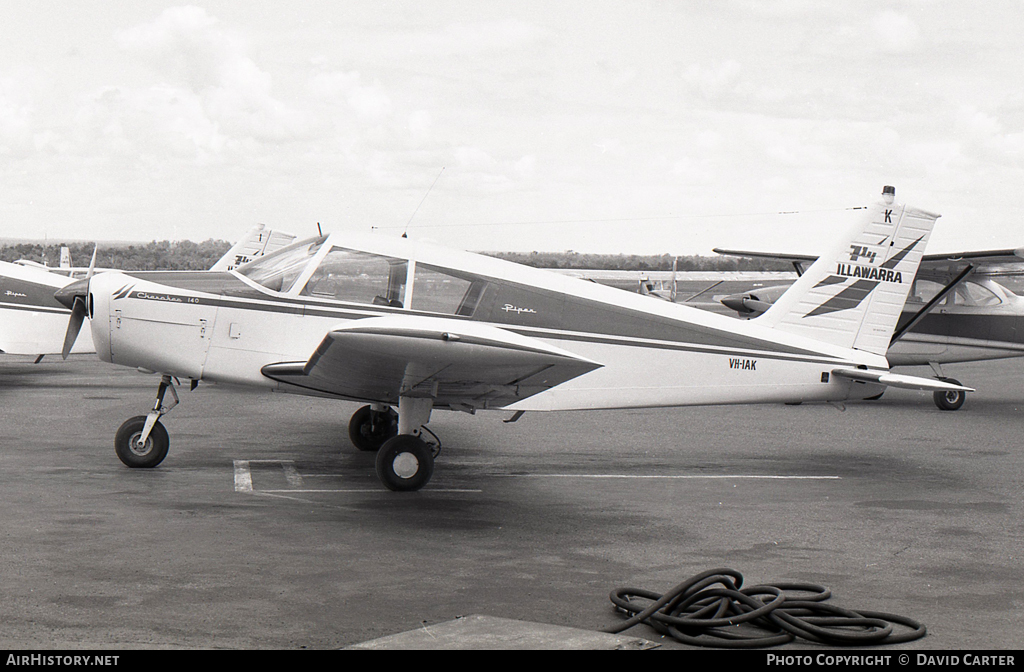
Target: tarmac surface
point(265, 528)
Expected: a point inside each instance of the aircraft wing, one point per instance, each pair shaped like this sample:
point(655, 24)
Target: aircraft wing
point(806, 258)
point(460, 364)
point(900, 380)
point(984, 261)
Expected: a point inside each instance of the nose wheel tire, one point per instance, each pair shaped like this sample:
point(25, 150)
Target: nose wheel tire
point(950, 401)
point(369, 429)
point(136, 455)
point(404, 463)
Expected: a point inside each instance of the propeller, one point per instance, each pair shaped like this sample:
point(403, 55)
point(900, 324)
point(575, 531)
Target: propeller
point(75, 296)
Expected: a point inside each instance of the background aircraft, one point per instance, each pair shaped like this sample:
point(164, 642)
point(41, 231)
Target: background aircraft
point(398, 323)
point(33, 322)
point(956, 310)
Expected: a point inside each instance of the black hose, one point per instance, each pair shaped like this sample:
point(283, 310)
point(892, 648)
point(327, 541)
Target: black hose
point(710, 609)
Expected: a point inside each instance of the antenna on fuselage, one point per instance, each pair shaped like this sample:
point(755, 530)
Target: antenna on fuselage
point(405, 234)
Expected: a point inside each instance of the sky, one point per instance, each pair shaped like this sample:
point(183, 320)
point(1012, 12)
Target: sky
point(607, 127)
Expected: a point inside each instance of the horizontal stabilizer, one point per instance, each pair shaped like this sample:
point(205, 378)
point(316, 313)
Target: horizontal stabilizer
point(900, 380)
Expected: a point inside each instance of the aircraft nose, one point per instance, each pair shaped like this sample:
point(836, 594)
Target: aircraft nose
point(66, 294)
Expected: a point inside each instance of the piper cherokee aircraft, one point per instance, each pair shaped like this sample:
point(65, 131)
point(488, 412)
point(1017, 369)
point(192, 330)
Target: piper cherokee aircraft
point(32, 322)
point(955, 312)
point(394, 322)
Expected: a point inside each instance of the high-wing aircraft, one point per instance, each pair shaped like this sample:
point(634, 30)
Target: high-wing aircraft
point(33, 322)
point(956, 310)
point(397, 323)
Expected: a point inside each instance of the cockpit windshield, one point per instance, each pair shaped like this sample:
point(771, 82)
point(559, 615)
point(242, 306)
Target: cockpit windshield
point(279, 270)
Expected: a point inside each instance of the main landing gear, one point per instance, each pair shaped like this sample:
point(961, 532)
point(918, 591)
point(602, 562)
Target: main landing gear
point(405, 462)
point(142, 442)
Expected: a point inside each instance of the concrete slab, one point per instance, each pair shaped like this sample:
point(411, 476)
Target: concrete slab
point(478, 631)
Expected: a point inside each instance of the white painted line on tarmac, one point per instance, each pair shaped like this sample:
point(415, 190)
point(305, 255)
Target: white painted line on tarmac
point(292, 474)
point(372, 490)
point(243, 477)
point(243, 481)
point(683, 476)
point(243, 473)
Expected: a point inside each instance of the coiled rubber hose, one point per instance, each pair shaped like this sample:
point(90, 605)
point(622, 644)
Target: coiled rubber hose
point(710, 609)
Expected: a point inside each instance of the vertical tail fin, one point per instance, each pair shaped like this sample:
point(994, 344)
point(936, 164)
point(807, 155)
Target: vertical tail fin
point(256, 243)
point(853, 296)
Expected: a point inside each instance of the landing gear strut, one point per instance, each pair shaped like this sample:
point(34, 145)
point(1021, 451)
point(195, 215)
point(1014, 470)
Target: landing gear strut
point(142, 442)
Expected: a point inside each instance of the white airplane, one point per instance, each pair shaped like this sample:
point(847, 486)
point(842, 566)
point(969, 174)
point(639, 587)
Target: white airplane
point(32, 322)
point(398, 323)
point(955, 312)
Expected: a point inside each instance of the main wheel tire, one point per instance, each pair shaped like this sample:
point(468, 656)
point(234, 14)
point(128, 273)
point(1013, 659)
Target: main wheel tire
point(404, 463)
point(369, 429)
point(950, 401)
point(145, 456)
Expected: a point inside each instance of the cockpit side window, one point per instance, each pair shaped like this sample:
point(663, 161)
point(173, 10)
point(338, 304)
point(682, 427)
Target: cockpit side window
point(924, 291)
point(279, 270)
point(359, 277)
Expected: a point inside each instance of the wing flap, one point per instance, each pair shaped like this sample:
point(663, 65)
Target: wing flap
point(900, 380)
point(457, 363)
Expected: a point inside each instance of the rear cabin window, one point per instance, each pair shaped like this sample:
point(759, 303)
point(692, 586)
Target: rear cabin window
point(359, 277)
point(439, 291)
point(973, 294)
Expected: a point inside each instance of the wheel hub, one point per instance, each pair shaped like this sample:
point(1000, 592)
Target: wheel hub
point(139, 448)
point(405, 465)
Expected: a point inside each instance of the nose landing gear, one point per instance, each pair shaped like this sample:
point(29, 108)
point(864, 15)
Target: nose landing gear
point(142, 442)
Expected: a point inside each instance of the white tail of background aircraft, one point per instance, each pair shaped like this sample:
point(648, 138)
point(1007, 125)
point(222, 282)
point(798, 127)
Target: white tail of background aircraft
point(256, 243)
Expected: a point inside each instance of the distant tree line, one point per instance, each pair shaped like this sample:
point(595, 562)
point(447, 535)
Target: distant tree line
point(161, 255)
point(185, 255)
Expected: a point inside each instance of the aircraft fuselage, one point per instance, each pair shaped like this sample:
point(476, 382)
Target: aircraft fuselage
point(225, 328)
